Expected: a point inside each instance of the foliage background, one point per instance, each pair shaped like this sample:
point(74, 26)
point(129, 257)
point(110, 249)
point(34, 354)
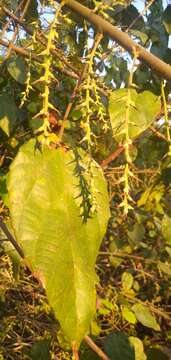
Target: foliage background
point(133, 301)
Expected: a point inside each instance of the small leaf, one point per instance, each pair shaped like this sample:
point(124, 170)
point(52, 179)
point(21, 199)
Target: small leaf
point(127, 281)
point(17, 68)
point(137, 234)
point(139, 34)
point(156, 354)
point(165, 268)
point(167, 19)
point(143, 110)
point(145, 317)
point(40, 350)
point(128, 315)
point(166, 229)
point(8, 114)
point(168, 249)
point(138, 347)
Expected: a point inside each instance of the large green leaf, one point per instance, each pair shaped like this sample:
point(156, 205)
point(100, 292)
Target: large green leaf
point(59, 247)
point(8, 114)
point(142, 111)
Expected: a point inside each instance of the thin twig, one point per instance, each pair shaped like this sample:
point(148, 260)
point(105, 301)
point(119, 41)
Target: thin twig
point(158, 312)
point(95, 348)
point(6, 25)
point(11, 238)
point(104, 163)
point(139, 15)
point(69, 107)
point(40, 36)
point(20, 50)
point(127, 256)
point(17, 29)
point(157, 133)
point(74, 73)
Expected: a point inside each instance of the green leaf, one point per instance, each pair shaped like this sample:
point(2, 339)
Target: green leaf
point(88, 354)
point(167, 19)
point(166, 229)
point(168, 249)
point(32, 11)
point(17, 68)
point(127, 281)
point(130, 13)
point(8, 114)
point(128, 315)
point(137, 234)
point(138, 347)
point(118, 347)
point(40, 350)
point(139, 34)
point(165, 268)
point(156, 354)
point(59, 247)
point(143, 110)
point(145, 317)
point(3, 190)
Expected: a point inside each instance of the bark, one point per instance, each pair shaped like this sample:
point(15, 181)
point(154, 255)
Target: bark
point(123, 39)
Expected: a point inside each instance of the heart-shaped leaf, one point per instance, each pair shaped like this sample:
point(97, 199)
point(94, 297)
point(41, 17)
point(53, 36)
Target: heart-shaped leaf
point(58, 246)
point(143, 107)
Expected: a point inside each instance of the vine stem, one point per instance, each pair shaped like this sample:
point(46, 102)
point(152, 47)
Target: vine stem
point(95, 348)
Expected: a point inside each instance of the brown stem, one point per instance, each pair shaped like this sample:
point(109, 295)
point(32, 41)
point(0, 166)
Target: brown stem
point(11, 238)
point(95, 348)
point(19, 51)
point(157, 133)
point(75, 351)
point(121, 38)
point(104, 163)
point(69, 107)
point(127, 256)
